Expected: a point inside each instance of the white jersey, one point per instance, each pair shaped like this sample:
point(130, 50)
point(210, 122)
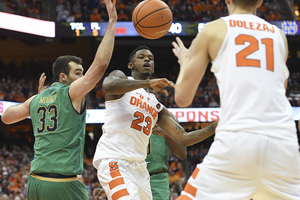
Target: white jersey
point(251, 71)
point(127, 128)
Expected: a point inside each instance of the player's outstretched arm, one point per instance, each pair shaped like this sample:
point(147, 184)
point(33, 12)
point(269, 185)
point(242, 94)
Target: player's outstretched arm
point(116, 83)
point(20, 112)
point(176, 131)
point(16, 113)
point(79, 88)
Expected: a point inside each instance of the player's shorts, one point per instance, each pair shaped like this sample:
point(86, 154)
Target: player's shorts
point(244, 166)
point(160, 186)
point(124, 180)
point(40, 187)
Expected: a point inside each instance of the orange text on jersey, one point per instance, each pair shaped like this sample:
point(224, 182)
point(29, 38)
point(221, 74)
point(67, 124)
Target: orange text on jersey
point(251, 25)
point(143, 105)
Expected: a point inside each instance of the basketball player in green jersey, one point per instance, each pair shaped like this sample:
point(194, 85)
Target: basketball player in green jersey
point(58, 118)
point(157, 159)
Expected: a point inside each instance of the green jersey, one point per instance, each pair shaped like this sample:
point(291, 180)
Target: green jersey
point(157, 165)
point(158, 154)
point(59, 132)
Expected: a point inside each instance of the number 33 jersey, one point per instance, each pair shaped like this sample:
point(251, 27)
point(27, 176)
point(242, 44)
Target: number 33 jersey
point(251, 73)
point(128, 126)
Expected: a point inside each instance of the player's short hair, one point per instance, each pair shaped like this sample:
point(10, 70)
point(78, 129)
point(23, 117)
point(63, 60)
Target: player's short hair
point(61, 65)
point(246, 2)
point(135, 50)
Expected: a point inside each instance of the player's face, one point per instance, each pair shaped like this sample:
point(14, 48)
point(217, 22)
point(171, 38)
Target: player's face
point(75, 72)
point(144, 63)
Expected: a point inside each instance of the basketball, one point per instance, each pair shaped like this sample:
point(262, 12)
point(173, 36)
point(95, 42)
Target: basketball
point(152, 19)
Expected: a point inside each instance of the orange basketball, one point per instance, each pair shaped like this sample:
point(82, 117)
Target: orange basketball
point(152, 19)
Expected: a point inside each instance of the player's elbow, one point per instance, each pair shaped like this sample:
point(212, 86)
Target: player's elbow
point(103, 65)
point(182, 102)
point(5, 119)
point(182, 154)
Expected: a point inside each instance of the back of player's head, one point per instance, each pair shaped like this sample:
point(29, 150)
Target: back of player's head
point(61, 65)
point(247, 3)
point(135, 50)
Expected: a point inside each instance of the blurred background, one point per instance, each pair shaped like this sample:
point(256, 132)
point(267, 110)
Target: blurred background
point(79, 27)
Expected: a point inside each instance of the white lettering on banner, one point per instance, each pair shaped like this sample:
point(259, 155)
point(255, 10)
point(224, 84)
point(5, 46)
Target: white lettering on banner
point(200, 26)
point(196, 114)
point(94, 25)
point(176, 28)
point(77, 26)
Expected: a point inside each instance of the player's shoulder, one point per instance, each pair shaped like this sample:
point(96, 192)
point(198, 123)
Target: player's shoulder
point(214, 27)
point(215, 23)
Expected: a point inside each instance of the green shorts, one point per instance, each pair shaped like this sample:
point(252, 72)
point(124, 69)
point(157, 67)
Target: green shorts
point(43, 188)
point(160, 186)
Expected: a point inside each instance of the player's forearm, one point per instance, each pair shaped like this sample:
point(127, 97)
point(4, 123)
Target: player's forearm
point(14, 114)
point(199, 135)
point(179, 150)
point(104, 51)
point(181, 97)
point(122, 86)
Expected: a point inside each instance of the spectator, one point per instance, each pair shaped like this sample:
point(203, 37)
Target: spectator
point(122, 16)
point(76, 7)
point(95, 16)
point(173, 177)
point(62, 15)
point(294, 102)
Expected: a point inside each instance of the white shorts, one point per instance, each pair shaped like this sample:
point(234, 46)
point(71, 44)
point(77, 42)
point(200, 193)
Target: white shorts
point(244, 166)
point(124, 180)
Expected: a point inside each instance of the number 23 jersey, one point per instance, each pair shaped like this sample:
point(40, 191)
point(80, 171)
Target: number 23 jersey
point(128, 126)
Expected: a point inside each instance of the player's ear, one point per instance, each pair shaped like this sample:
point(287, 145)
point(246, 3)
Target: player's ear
point(259, 3)
point(130, 65)
point(62, 78)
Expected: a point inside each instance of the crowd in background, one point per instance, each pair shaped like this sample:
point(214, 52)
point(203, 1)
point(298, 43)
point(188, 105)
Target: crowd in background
point(15, 165)
point(95, 11)
point(14, 87)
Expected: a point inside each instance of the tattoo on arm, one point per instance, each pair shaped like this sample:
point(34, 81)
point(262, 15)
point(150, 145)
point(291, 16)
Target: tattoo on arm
point(205, 132)
point(179, 128)
point(126, 83)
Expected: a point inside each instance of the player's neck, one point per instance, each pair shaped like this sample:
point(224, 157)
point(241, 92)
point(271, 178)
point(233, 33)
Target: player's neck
point(240, 10)
point(139, 77)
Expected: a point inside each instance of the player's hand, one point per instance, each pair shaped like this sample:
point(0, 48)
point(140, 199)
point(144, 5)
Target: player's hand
point(111, 9)
point(98, 193)
point(42, 86)
point(180, 51)
point(156, 130)
point(160, 84)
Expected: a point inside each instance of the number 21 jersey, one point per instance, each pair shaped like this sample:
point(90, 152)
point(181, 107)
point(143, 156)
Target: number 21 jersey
point(251, 71)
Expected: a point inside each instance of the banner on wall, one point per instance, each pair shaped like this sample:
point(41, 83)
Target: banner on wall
point(179, 28)
point(96, 116)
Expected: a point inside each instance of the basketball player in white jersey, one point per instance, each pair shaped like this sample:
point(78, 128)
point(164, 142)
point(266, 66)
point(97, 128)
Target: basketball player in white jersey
point(255, 151)
point(131, 113)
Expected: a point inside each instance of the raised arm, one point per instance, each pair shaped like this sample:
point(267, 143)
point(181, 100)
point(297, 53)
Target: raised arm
point(193, 61)
point(116, 84)
point(80, 87)
point(176, 131)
